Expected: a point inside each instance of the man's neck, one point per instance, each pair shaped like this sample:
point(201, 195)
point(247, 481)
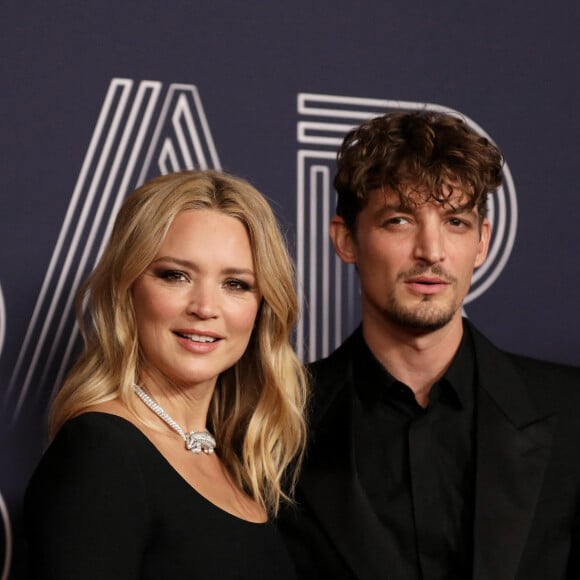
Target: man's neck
point(417, 359)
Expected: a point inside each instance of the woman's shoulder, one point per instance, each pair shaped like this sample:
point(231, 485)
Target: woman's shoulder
point(110, 418)
point(114, 407)
point(93, 442)
point(94, 423)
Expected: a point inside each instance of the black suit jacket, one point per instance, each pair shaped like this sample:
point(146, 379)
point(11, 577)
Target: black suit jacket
point(527, 488)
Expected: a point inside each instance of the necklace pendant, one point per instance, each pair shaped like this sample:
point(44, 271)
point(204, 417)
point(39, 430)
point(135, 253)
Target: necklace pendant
point(195, 441)
point(198, 441)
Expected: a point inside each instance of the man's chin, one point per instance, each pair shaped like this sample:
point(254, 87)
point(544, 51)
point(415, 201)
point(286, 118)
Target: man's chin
point(421, 320)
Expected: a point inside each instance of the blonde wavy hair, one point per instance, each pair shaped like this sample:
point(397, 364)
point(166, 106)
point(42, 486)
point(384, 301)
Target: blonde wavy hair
point(257, 410)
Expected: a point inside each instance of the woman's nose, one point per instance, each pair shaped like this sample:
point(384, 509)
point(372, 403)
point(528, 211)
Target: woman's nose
point(203, 302)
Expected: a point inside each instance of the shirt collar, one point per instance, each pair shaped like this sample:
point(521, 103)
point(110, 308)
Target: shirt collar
point(373, 382)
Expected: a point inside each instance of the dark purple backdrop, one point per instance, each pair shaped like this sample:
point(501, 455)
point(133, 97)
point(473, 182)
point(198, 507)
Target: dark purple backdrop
point(512, 67)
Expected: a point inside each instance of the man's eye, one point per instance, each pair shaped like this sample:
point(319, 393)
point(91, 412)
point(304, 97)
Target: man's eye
point(396, 221)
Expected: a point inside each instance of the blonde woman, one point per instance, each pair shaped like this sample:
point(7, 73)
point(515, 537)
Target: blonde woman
point(174, 431)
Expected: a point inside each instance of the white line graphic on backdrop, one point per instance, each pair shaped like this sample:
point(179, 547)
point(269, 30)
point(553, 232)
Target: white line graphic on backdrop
point(124, 150)
point(2, 320)
point(7, 539)
point(323, 122)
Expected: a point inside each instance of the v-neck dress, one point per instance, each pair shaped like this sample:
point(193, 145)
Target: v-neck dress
point(103, 503)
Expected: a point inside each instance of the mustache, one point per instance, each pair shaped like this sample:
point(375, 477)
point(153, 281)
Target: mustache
point(422, 270)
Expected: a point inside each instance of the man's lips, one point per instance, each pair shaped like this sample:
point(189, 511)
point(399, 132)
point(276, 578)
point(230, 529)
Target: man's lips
point(427, 280)
point(426, 284)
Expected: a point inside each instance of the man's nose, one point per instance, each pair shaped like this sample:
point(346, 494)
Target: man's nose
point(430, 243)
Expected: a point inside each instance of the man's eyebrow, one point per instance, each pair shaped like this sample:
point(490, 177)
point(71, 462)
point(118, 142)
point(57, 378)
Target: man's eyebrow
point(466, 207)
point(389, 207)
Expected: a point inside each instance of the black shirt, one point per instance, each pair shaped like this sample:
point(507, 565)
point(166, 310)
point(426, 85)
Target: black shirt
point(417, 464)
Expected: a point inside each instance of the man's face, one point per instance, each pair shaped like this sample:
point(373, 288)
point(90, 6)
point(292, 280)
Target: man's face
point(415, 260)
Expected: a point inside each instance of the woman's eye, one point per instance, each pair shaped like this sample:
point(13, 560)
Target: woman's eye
point(237, 285)
point(172, 276)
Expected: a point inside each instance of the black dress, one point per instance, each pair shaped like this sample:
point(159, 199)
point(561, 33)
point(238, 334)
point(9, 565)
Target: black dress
point(105, 504)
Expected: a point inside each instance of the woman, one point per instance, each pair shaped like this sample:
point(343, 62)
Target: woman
point(186, 322)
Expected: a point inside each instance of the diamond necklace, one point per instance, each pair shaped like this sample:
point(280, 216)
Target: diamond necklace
point(195, 441)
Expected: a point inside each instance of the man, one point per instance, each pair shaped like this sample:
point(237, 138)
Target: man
point(433, 455)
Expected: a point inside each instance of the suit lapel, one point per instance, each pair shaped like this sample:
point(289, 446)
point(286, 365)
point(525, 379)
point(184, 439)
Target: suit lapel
point(513, 448)
point(330, 485)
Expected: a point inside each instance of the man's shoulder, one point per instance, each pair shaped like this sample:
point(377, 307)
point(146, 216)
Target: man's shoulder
point(546, 373)
point(336, 364)
point(331, 380)
point(521, 360)
point(534, 372)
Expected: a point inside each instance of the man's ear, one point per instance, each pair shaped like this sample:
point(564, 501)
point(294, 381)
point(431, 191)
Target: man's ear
point(342, 238)
point(484, 239)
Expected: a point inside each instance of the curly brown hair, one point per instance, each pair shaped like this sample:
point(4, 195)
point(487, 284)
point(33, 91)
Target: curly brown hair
point(423, 152)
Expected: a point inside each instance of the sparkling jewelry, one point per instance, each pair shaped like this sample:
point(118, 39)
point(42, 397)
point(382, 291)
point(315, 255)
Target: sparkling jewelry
point(195, 441)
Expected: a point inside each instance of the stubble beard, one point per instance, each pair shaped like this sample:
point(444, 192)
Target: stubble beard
point(428, 314)
point(423, 317)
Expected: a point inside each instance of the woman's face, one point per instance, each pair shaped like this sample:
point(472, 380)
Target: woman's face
point(196, 303)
